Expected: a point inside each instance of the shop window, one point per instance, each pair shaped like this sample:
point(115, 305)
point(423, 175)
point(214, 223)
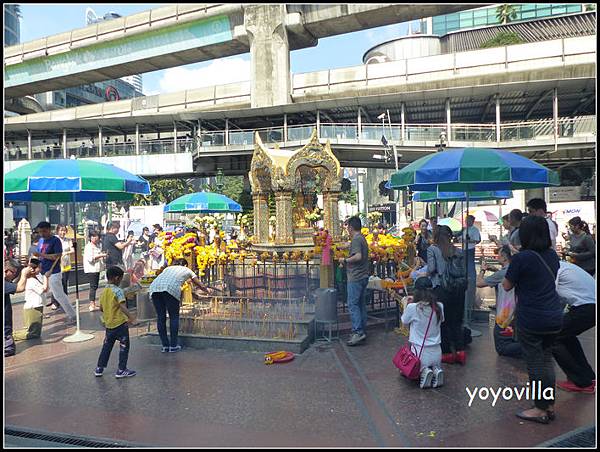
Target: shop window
point(574, 8)
point(559, 9)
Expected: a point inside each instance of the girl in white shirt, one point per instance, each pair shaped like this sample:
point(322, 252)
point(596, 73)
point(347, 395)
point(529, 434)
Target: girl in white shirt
point(33, 309)
point(417, 314)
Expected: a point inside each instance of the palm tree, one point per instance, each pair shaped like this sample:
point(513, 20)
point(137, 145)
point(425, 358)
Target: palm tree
point(506, 13)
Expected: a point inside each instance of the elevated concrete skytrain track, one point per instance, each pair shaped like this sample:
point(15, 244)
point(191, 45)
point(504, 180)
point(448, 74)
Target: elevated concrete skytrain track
point(181, 34)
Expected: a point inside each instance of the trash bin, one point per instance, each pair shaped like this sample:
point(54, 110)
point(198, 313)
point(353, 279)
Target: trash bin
point(326, 305)
point(145, 308)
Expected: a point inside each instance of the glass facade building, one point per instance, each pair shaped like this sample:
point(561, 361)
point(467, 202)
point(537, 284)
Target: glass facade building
point(12, 28)
point(481, 17)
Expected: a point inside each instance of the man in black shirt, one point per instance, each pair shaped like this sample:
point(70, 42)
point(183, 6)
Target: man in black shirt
point(114, 247)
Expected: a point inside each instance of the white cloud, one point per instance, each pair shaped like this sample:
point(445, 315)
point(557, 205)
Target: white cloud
point(217, 72)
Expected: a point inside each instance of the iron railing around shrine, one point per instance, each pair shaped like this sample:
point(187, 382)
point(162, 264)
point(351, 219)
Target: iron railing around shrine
point(288, 280)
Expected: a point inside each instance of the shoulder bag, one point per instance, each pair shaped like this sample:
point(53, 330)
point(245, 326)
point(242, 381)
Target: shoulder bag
point(406, 360)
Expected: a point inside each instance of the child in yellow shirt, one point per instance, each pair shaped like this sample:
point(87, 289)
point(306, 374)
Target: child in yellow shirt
point(116, 319)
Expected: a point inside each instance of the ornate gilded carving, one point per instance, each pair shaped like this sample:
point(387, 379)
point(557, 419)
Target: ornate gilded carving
point(276, 170)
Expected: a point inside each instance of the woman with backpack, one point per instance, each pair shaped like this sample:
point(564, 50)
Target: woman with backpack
point(445, 267)
point(539, 313)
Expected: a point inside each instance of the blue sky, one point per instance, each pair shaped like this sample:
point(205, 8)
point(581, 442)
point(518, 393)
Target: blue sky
point(41, 20)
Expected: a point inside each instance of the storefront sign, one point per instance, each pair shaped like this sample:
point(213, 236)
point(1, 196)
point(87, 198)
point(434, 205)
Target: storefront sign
point(558, 194)
point(383, 208)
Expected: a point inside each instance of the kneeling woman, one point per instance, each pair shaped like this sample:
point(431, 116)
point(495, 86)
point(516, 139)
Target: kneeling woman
point(33, 309)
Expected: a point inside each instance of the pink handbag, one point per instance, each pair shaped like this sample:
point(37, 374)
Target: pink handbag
point(408, 363)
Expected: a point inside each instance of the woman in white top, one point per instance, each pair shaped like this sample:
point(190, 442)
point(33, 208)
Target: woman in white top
point(33, 309)
point(93, 264)
point(424, 314)
point(128, 260)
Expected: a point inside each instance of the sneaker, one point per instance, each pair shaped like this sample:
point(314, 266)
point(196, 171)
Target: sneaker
point(125, 373)
point(438, 377)
point(175, 349)
point(426, 378)
point(461, 357)
point(99, 371)
point(356, 338)
point(572, 387)
point(164, 349)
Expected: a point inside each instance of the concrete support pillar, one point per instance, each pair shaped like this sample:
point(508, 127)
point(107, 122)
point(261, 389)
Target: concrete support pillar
point(555, 116)
point(29, 150)
point(498, 118)
point(359, 122)
point(100, 142)
point(284, 228)
point(285, 132)
point(331, 214)
point(65, 144)
point(261, 217)
point(199, 135)
point(402, 122)
point(318, 124)
point(448, 122)
point(226, 132)
point(269, 53)
point(137, 139)
point(175, 137)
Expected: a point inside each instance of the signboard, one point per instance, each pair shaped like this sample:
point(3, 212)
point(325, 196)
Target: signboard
point(558, 194)
point(383, 208)
point(147, 215)
point(562, 212)
point(9, 222)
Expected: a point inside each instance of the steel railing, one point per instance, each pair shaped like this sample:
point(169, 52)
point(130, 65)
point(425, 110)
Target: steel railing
point(544, 129)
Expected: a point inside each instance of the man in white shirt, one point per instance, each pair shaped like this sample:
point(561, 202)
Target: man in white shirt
point(537, 207)
point(577, 288)
point(474, 239)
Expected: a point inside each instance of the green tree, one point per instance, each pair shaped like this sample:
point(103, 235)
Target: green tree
point(505, 38)
point(351, 197)
point(233, 187)
point(164, 191)
point(506, 13)
point(589, 7)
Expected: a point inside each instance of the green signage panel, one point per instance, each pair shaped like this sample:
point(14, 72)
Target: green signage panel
point(178, 38)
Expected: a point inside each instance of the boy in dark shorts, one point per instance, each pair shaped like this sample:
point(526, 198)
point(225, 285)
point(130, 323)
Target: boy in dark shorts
point(116, 319)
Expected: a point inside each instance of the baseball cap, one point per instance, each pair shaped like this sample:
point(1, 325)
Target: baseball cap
point(423, 283)
point(43, 225)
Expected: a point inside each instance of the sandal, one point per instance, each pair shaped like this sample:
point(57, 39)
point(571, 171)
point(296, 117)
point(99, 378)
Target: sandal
point(539, 419)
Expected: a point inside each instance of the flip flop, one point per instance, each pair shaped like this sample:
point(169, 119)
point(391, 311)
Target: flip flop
point(539, 419)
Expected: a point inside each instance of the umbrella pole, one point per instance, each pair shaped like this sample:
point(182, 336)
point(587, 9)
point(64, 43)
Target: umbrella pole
point(78, 336)
point(469, 301)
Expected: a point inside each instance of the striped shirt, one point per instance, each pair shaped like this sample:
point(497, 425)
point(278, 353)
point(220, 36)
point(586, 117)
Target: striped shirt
point(171, 280)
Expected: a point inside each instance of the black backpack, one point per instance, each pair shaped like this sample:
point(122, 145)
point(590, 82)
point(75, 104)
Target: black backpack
point(454, 277)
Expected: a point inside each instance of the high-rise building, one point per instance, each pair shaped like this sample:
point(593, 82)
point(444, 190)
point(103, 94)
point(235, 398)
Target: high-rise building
point(91, 18)
point(488, 15)
point(12, 26)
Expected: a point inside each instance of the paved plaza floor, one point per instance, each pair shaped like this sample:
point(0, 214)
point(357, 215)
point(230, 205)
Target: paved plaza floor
point(331, 395)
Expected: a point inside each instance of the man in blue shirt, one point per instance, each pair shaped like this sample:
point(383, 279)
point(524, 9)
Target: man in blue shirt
point(49, 252)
